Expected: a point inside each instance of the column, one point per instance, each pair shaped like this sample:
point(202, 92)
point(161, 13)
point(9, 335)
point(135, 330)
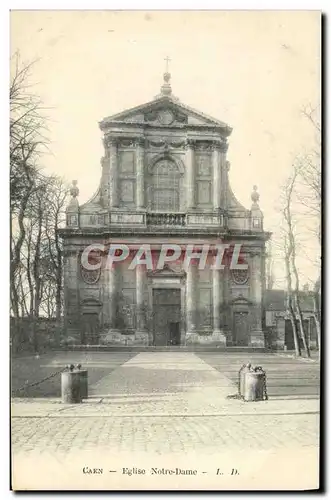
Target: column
point(223, 176)
point(257, 336)
point(113, 173)
point(191, 286)
point(105, 184)
point(141, 328)
point(218, 333)
point(227, 310)
point(113, 335)
point(71, 278)
point(217, 177)
point(190, 177)
point(140, 184)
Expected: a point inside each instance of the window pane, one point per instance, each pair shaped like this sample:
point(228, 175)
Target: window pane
point(165, 186)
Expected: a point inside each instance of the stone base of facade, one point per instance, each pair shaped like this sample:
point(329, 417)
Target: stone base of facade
point(116, 337)
point(257, 339)
point(111, 337)
point(217, 337)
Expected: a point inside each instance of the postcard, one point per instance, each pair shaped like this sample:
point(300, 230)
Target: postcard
point(165, 208)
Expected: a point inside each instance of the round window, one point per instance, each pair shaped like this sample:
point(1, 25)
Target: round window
point(239, 276)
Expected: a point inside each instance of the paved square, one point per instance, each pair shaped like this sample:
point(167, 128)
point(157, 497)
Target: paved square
point(168, 402)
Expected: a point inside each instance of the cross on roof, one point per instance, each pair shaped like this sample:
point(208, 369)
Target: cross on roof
point(167, 60)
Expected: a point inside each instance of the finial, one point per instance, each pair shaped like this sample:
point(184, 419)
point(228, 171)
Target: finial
point(255, 195)
point(166, 87)
point(74, 191)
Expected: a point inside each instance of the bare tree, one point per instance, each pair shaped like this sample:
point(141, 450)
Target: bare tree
point(37, 210)
point(310, 173)
point(290, 254)
point(27, 143)
point(289, 295)
point(55, 218)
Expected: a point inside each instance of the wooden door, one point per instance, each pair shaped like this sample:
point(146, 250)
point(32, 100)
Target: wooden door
point(166, 311)
point(174, 330)
point(90, 329)
point(240, 328)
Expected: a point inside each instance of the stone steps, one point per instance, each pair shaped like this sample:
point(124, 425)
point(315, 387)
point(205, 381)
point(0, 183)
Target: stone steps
point(135, 348)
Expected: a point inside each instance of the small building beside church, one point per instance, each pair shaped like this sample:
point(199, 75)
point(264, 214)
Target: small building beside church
point(164, 180)
point(278, 327)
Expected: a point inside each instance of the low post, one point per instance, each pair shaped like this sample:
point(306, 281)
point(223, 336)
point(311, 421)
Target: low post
point(83, 382)
point(255, 387)
point(71, 386)
point(241, 383)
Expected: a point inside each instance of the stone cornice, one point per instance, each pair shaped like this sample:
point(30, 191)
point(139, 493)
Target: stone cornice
point(208, 232)
point(155, 143)
point(224, 132)
point(123, 141)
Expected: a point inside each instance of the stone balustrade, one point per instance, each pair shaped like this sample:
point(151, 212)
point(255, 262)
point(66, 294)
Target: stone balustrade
point(166, 219)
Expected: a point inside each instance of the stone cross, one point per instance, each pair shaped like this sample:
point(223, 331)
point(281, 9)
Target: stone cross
point(167, 60)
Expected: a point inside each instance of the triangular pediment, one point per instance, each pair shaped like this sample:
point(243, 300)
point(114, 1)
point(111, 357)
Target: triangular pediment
point(167, 271)
point(165, 111)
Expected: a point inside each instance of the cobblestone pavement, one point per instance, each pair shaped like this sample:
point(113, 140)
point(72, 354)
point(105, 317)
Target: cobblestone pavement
point(287, 377)
point(29, 369)
point(163, 434)
point(165, 402)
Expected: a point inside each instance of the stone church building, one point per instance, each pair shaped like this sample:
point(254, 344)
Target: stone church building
point(164, 180)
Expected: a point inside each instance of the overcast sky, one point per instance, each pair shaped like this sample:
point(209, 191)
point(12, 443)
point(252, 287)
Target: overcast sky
point(252, 70)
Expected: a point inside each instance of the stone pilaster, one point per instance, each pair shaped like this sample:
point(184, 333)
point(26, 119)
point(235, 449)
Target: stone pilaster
point(218, 333)
point(113, 173)
point(256, 335)
point(140, 184)
point(113, 335)
point(71, 295)
point(223, 175)
point(190, 175)
point(227, 311)
point(141, 335)
point(105, 291)
point(216, 177)
point(191, 287)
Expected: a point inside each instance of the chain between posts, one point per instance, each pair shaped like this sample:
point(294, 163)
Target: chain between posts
point(26, 386)
point(265, 394)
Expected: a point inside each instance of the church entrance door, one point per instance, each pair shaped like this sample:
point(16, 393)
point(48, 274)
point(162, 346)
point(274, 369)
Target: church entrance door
point(90, 334)
point(240, 328)
point(166, 314)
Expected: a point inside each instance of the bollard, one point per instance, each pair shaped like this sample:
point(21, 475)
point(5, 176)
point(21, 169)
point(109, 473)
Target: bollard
point(71, 386)
point(83, 382)
point(242, 372)
point(254, 385)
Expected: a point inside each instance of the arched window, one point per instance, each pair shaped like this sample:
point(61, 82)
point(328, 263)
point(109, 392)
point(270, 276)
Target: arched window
point(165, 186)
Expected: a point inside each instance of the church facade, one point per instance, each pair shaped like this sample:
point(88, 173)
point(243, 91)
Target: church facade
point(164, 183)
